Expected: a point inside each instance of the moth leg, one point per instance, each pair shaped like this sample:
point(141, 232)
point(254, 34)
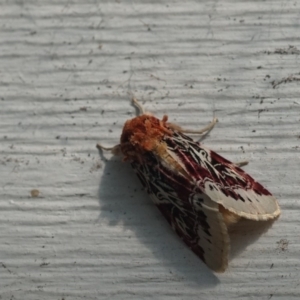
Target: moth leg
point(100, 147)
point(241, 163)
point(114, 150)
point(209, 127)
point(139, 106)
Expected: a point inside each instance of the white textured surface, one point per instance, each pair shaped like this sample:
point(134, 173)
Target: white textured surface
point(66, 70)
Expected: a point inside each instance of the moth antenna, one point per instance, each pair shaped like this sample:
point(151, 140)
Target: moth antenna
point(209, 127)
point(139, 106)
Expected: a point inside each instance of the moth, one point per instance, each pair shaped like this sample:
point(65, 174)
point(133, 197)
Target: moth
point(199, 192)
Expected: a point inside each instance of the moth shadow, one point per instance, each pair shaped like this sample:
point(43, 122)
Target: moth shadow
point(124, 203)
point(246, 232)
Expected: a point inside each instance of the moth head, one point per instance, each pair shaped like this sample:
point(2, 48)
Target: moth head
point(143, 134)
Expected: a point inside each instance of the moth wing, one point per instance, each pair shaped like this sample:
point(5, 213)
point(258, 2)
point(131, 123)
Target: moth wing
point(224, 182)
point(196, 219)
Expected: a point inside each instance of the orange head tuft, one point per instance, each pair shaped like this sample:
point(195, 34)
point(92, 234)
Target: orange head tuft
point(142, 134)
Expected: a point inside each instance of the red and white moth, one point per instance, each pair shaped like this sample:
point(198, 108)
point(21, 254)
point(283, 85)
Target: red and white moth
point(199, 192)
